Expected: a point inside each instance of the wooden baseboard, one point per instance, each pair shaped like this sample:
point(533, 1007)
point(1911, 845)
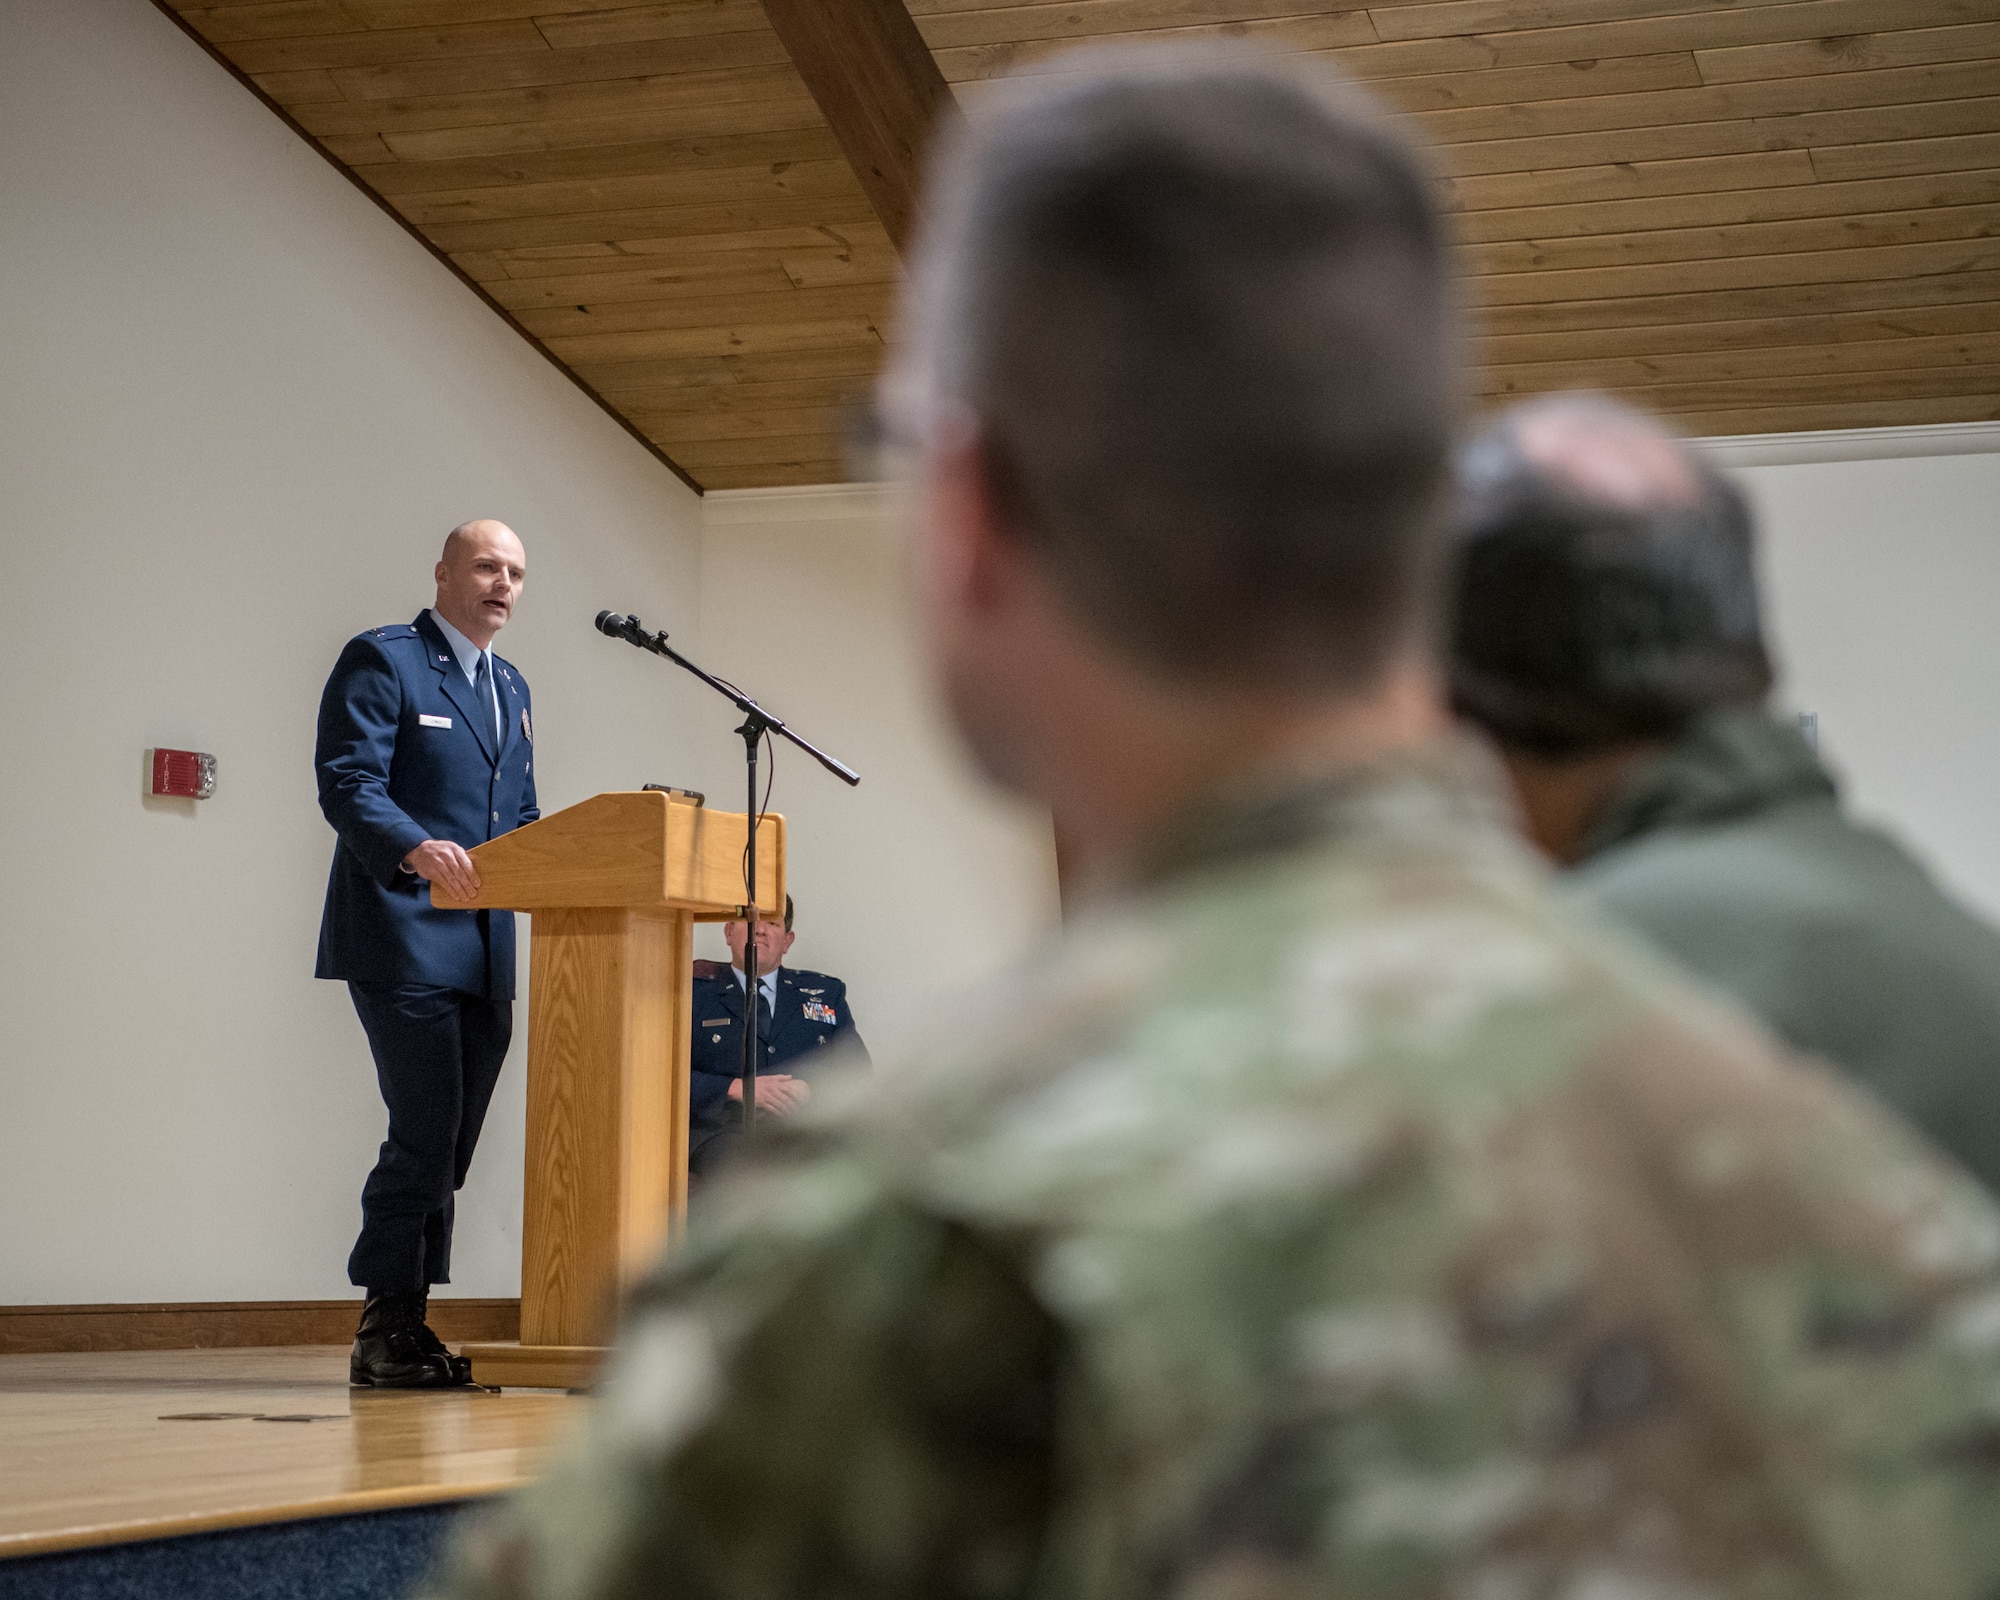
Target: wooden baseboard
point(220, 1324)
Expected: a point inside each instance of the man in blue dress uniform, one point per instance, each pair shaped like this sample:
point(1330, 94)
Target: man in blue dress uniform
point(799, 1014)
point(425, 749)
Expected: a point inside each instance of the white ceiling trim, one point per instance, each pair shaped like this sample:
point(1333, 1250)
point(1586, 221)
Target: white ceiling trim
point(1854, 444)
point(840, 502)
point(812, 502)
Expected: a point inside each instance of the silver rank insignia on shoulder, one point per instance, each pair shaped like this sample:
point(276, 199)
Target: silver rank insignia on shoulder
point(527, 732)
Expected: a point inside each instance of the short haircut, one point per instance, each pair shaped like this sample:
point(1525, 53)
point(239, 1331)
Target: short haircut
point(1578, 625)
point(1202, 311)
point(745, 920)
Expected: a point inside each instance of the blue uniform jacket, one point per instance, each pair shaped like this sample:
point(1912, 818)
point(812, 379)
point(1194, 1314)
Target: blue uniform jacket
point(405, 753)
point(810, 1013)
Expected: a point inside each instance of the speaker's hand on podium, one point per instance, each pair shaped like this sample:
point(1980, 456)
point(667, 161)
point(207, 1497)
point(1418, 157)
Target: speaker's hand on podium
point(777, 1092)
point(441, 861)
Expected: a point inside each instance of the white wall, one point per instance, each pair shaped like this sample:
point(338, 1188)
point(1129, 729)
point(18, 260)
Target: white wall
point(919, 881)
point(1883, 583)
point(1883, 593)
point(1882, 586)
point(241, 409)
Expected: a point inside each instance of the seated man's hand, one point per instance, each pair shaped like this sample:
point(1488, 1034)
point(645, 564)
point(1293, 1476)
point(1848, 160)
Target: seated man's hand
point(777, 1092)
point(441, 861)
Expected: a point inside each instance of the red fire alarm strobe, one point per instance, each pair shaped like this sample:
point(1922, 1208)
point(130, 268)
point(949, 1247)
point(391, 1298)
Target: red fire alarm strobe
point(184, 774)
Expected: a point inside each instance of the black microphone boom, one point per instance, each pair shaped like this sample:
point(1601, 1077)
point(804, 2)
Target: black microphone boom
point(757, 724)
point(633, 631)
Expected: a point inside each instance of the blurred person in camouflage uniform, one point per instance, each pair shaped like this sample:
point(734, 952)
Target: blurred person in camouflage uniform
point(1326, 1211)
point(1607, 635)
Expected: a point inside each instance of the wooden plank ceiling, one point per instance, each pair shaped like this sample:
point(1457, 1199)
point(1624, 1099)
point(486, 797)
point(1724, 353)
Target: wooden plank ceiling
point(1753, 217)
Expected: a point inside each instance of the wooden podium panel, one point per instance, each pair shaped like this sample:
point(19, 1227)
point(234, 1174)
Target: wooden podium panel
point(614, 886)
point(607, 1111)
point(630, 848)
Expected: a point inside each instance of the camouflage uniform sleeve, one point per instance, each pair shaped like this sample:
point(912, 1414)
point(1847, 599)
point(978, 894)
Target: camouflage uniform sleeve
point(868, 1411)
point(1859, 1275)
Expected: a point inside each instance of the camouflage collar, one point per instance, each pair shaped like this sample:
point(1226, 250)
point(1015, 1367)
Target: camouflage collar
point(1451, 784)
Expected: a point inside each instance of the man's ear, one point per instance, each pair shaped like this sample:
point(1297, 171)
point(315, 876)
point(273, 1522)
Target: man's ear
point(438, 574)
point(969, 557)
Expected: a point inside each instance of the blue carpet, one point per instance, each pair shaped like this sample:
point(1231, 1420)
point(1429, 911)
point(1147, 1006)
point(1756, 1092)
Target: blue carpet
point(379, 1556)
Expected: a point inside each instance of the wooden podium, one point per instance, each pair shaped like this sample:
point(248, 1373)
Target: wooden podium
point(614, 886)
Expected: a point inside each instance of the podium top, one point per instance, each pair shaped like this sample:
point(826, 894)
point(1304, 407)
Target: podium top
point(634, 848)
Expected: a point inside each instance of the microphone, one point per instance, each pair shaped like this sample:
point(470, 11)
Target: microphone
point(627, 628)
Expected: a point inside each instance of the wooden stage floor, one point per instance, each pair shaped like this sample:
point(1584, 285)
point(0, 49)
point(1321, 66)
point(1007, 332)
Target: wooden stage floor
point(103, 1447)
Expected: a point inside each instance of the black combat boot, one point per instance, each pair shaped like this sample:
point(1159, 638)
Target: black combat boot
point(392, 1347)
point(461, 1366)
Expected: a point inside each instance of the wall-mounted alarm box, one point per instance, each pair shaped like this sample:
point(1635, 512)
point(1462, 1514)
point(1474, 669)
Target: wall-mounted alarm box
point(183, 774)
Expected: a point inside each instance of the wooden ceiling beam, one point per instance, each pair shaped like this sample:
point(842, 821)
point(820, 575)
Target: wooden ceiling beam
point(880, 90)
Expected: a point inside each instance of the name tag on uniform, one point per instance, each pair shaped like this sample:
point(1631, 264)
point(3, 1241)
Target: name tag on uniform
point(432, 722)
point(716, 1022)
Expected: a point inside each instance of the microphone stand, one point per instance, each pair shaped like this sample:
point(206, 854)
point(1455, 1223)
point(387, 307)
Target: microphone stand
point(757, 723)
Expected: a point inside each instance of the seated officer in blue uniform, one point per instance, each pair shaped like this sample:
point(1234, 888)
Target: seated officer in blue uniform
point(425, 749)
point(801, 1013)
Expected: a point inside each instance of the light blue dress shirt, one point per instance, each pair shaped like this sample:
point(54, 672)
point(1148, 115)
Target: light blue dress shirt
point(768, 982)
point(468, 655)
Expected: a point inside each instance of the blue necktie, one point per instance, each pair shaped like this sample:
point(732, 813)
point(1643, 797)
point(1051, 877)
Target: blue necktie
point(482, 691)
